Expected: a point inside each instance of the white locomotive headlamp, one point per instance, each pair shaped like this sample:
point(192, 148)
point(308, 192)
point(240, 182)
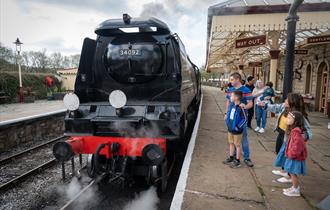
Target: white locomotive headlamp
point(71, 101)
point(117, 99)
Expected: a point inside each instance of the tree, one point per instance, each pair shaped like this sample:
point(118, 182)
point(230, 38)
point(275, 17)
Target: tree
point(26, 60)
point(75, 60)
point(33, 58)
point(43, 59)
point(37, 60)
point(7, 54)
point(205, 75)
point(56, 60)
point(66, 63)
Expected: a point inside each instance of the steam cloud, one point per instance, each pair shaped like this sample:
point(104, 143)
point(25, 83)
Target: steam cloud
point(186, 17)
point(145, 200)
point(126, 129)
point(70, 191)
point(154, 9)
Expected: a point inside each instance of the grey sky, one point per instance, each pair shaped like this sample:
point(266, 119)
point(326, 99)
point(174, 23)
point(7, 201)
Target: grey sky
point(61, 25)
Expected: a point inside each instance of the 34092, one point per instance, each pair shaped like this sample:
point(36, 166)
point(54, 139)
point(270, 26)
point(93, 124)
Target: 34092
point(123, 52)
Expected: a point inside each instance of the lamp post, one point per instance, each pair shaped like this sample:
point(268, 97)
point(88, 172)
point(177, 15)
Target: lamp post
point(290, 45)
point(18, 44)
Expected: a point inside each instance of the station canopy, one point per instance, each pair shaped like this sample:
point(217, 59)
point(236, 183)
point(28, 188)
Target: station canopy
point(263, 24)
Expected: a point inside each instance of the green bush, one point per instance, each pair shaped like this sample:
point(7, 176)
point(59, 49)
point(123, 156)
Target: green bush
point(9, 83)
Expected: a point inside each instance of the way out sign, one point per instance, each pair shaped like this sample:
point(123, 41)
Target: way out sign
point(251, 41)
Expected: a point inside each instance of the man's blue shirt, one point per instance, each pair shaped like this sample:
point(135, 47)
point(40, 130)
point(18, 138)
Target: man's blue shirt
point(247, 95)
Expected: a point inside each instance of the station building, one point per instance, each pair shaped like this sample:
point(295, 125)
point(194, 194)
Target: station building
point(68, 78)
point(249, 36)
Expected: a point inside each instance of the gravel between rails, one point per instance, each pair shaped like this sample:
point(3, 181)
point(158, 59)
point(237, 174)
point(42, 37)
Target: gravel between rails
point(25, 163)
point(43, 191)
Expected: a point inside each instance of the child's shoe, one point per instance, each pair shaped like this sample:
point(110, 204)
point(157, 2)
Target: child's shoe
point(228, 161)
point(293, 192)
point(235, 164)
point(288, 189)
point(261, 130)
point(257, 129)
point(284, 180)
point(279, 173)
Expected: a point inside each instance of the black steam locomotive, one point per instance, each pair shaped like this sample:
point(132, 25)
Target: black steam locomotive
point(136, 93)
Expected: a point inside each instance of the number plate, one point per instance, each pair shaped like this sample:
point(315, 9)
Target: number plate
point(123, 52)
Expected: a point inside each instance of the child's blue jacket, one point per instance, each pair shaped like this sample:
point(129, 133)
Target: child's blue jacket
point(235, 126)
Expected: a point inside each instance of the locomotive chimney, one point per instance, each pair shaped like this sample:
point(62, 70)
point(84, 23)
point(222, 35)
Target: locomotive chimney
point(127, 18)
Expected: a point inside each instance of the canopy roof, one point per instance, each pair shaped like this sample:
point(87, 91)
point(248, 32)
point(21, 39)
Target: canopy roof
point(236, 19)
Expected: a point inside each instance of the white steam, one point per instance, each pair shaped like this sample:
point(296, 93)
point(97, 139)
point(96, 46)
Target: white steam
point(89, 197)
point(126, 129)
point(145, 200)
point(154, 9)
point(73, 188)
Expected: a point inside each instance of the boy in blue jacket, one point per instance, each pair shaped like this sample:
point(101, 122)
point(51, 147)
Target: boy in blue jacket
point(235, 122)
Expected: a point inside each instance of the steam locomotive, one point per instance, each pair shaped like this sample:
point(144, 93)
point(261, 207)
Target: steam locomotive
point(136, 93)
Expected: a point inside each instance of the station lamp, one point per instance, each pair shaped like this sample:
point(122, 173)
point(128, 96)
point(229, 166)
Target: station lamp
point(18, 44)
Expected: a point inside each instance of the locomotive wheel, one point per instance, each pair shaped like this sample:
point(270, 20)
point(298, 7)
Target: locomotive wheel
point(90, 166)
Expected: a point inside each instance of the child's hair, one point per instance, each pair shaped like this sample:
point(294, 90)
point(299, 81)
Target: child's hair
point(238, 93)
point(296, 103)
point(297, 122)
point(269, 84)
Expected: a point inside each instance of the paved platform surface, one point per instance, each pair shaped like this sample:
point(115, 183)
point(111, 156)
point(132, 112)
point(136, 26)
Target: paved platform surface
point(213, 185)
point(18, 110)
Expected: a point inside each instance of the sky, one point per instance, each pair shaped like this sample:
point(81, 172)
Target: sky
point(61, 25)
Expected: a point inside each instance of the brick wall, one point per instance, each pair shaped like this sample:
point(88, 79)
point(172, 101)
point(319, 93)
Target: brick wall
point(316, 55)
point(31, 131)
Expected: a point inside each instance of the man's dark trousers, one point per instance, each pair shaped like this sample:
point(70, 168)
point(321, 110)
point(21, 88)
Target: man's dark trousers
point(250, 116)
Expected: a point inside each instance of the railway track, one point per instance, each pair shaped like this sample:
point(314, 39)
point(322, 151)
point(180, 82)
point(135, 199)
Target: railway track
point(22, 165)
point(19, 154)
point(19, 179)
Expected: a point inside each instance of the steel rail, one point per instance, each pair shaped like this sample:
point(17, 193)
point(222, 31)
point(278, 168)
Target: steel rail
point(19, 179)
point(19, 154)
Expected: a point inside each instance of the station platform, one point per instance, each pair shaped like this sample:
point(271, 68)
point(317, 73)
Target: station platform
point(15, 111)
point(212, 185)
